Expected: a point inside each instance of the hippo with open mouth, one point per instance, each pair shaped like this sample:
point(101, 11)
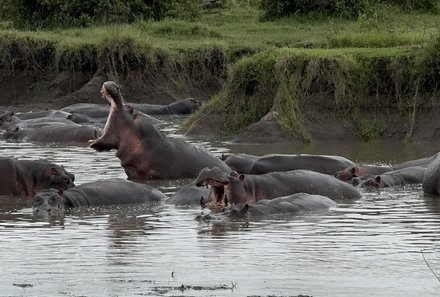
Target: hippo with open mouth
point(248, 188)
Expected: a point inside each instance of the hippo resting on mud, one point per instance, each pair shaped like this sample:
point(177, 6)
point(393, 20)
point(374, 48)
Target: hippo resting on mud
point(251, 164)
point(104, 192)
point(25, 177)
point(247, 188)
point(145, 152)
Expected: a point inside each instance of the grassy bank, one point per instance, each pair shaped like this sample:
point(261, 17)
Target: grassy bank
point(376, 61)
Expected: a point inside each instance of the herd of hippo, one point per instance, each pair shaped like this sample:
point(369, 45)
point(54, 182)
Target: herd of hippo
point(241, 185)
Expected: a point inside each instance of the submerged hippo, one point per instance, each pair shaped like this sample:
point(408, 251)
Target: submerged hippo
point(183, 106)
point(145, 152)
point(249, 188)
point(431, 179)
point(250, 164)
point(399, 177)
point(347, 174)
point(297, 203)
point(25, 177)
point(103, 192)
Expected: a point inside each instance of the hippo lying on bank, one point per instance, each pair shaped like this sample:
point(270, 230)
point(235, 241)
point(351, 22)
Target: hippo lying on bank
point(104, 192)
point(145, 152)
point(248, 188)
point(399, 177)
point(251, 164)
point(25, 177)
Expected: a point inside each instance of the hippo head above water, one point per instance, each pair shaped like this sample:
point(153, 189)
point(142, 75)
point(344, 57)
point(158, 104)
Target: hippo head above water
point(49, 201)
point(220, 185)
point(110, 88)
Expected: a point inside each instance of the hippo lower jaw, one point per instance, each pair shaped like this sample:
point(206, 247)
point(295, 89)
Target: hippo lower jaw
point(217, 197)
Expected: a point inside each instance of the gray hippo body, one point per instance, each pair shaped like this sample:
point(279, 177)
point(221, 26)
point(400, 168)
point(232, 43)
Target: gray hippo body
point(284, 162)
point(183, 106)
point(351, 172)
point(399, 177)
point(294, 204)
point(55, 132)
point(417, 162)
point(144, 151)
point(25, 177)
point(91, 110)
point(103, 192)
point(249, 188)
point(431, 179)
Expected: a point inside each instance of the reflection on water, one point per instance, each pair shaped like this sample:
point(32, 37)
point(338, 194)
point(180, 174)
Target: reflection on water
point(368, 247)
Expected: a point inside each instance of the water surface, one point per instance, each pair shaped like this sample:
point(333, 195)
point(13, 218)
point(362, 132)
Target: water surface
point(373, 246)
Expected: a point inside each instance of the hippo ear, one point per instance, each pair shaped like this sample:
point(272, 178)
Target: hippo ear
point(53, 171)
point(245, 208)
point(241, 177)
point(377, 179)
point(60, 192)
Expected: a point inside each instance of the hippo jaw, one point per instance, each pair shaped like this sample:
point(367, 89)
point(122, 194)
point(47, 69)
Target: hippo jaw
point(218, 180)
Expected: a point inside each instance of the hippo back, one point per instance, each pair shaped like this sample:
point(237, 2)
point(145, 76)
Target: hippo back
point(113, 191)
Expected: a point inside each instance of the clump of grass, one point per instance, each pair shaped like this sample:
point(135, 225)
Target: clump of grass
point(282, 81)
point(369, 130)
point(379, 39)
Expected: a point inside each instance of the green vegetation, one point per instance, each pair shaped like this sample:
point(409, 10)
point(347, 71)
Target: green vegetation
point(381, 56)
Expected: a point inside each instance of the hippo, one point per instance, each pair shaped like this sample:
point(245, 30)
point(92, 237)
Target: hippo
point(189, 195)
point(297, 203)
point(250, 188)
point(417, 162)
point(399, 177)
point(54, 133)
point(431, 179)
point(91, 110)
point(351, 172)
point(145, 152)
point(24, 177)
point(101, 192)
point(60, 114)
point(284, 162)
point(183, 106)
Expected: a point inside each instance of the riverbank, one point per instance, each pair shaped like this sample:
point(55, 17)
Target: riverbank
point(295, 79)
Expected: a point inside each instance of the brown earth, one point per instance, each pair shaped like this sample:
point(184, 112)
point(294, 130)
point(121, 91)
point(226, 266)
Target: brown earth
point(30, 91)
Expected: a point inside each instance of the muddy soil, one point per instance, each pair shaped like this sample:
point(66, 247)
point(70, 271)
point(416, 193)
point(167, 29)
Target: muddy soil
point(23, 91)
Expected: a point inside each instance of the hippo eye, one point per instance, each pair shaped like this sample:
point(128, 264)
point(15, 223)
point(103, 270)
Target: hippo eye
point(66, 179)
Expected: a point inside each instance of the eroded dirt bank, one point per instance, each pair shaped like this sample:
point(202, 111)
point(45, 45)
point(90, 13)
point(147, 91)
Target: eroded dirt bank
point(274, 96)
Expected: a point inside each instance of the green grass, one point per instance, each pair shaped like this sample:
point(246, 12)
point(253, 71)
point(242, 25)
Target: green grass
point(239, 30)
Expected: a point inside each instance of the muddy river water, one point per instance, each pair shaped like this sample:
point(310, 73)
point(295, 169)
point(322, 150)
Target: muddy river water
point(386, 243)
